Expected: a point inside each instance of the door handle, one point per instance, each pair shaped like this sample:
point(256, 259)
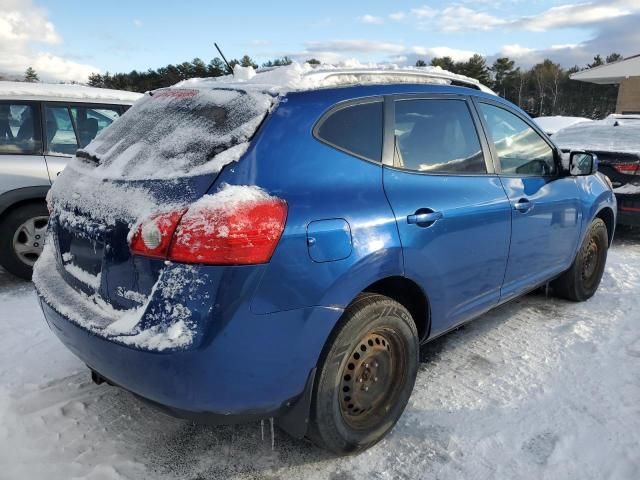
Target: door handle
point(424, 219)
point(523, 205)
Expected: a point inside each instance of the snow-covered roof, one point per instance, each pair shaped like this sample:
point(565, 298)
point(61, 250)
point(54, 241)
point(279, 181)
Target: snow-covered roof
point(550, 125)
point(611, 72)
point(298, 77)
point(65, 92)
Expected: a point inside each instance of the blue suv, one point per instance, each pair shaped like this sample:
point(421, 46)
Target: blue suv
point(230, 251)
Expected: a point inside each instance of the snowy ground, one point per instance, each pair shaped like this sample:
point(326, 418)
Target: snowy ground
point(539, 388)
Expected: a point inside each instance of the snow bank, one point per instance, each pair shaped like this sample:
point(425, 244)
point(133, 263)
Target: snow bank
point(600, 135)
point(550, 125)
point(297, 77)
point(58, 91)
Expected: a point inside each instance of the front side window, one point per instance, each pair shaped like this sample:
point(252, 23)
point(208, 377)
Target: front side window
point(357, 129)
point(19, 129)
point(437, 136)
point(90, 121)
point(61, 134)
point(521, 151)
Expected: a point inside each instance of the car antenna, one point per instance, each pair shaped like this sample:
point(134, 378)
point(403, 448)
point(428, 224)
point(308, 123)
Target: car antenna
point(223, 58)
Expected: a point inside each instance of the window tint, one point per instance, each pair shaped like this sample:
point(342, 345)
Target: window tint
point(61, 135)
point(437, 136)
point(19, 129)
point(357, 129)
point(90, 121)
point(520, 149)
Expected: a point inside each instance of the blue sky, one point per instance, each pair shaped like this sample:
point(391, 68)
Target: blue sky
point(71, 37)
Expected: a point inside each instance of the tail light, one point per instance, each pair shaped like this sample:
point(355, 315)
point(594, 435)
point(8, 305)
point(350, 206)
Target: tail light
point(627, 168)
point(234, 234)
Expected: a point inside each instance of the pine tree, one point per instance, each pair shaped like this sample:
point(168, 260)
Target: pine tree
point(421, 63)
point(246, 61)
point(30, 75)
point(313, 61)
point(95, 80)
point(503, 75)
point(597, 61)
point(614, 57)
point(446, 63)
point(216, 68)
point(476, 67)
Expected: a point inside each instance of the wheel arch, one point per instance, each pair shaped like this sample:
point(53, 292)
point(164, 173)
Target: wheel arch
point(608, 217)
point(21, 196)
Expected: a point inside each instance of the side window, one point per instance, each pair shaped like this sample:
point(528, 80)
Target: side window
point(521, 151)
point(61, 135)
point(89, 121)
point(356, 129)
point(437, 136)
point(20, 131)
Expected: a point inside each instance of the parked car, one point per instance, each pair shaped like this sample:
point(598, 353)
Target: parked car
point(550, 125)
point(616, 142)
point(233, 251)
point(70, 116)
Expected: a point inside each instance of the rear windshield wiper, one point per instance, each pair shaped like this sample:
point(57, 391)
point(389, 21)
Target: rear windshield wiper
point(87, 156)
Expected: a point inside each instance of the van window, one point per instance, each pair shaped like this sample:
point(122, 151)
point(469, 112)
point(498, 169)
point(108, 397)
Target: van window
point(356, 129)
point(90, 121)
point(20, 131)
point(61, 134)
point(437, 136)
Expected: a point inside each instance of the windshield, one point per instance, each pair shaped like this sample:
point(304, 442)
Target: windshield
point(176, 132)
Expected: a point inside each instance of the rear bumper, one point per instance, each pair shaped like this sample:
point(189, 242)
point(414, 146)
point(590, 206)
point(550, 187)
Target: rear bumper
point(253, 367)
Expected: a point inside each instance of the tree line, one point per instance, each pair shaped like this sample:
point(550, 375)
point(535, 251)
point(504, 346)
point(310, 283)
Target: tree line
point(543, 89)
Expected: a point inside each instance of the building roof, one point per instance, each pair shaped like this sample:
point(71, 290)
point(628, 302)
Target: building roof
point(65, 92)
point(611, 72)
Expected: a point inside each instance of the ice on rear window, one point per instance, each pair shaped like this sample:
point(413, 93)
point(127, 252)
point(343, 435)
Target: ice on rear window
point(178, 132)
point(600, 136)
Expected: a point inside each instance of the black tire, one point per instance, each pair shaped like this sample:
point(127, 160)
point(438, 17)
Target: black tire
point(10, 259)
point(581, 281)
point(376, 341)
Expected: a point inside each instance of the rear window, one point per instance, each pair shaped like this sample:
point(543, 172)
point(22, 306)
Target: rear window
point(176, 132)
point(356, 129)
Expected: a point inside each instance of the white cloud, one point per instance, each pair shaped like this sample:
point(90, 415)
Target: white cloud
point(515, 50)
point(24, 29)
point(458, 18)
point(397, 16)
point(260, 42)
point(137, 23)
point(371, 19)
point(424, 12)
point(573, 15)
point(456, 54)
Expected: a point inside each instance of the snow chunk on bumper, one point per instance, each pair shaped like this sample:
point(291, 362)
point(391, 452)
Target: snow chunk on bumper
point(161, 322)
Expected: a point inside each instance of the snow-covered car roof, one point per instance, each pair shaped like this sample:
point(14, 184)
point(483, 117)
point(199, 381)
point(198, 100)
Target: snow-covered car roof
point(65, 92)
point(600, 136)
point(299, 77)
point(550, 125)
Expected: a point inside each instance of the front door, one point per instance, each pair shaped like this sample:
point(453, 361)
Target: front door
point(452, 213)
point(546, 214)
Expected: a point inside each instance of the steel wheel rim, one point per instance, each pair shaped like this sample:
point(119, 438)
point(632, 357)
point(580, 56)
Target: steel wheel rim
point(28, 239)
point(591, 262)
point(370, 378)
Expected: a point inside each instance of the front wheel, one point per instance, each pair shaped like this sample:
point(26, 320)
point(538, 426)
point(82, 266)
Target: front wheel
point(581, 281)
point(366, 375)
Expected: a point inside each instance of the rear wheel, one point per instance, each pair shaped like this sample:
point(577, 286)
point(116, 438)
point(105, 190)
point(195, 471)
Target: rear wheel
point(581, 281)
point(365, 377)
point(22, 233)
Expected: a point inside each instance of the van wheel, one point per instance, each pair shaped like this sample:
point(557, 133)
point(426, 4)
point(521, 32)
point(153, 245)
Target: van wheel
point(22, 233)
point(365, 377)
point(581, 281)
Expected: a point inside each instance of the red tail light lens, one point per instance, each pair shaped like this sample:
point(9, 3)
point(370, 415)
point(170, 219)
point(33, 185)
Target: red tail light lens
point(153, 236)
point(627, 168)
point(238, 234)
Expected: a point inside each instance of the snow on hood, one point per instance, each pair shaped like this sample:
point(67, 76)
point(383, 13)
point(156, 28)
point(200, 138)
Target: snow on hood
point(299, 77)
point(56, 91)
point(600, 135)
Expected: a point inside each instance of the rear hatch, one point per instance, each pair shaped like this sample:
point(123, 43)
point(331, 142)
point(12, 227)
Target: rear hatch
point(162, 155)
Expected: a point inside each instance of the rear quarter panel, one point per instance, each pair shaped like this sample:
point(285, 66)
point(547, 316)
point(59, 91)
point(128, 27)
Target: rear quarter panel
point(319, 183)
point(595, 195)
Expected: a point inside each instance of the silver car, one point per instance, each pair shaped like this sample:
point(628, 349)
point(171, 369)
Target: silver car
point(41, 126)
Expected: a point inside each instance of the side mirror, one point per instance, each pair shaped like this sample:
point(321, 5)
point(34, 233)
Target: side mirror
point(582, 163)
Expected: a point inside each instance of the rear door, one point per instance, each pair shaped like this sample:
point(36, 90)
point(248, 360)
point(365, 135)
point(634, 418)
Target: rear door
point(545, 206)
point(452, 213)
